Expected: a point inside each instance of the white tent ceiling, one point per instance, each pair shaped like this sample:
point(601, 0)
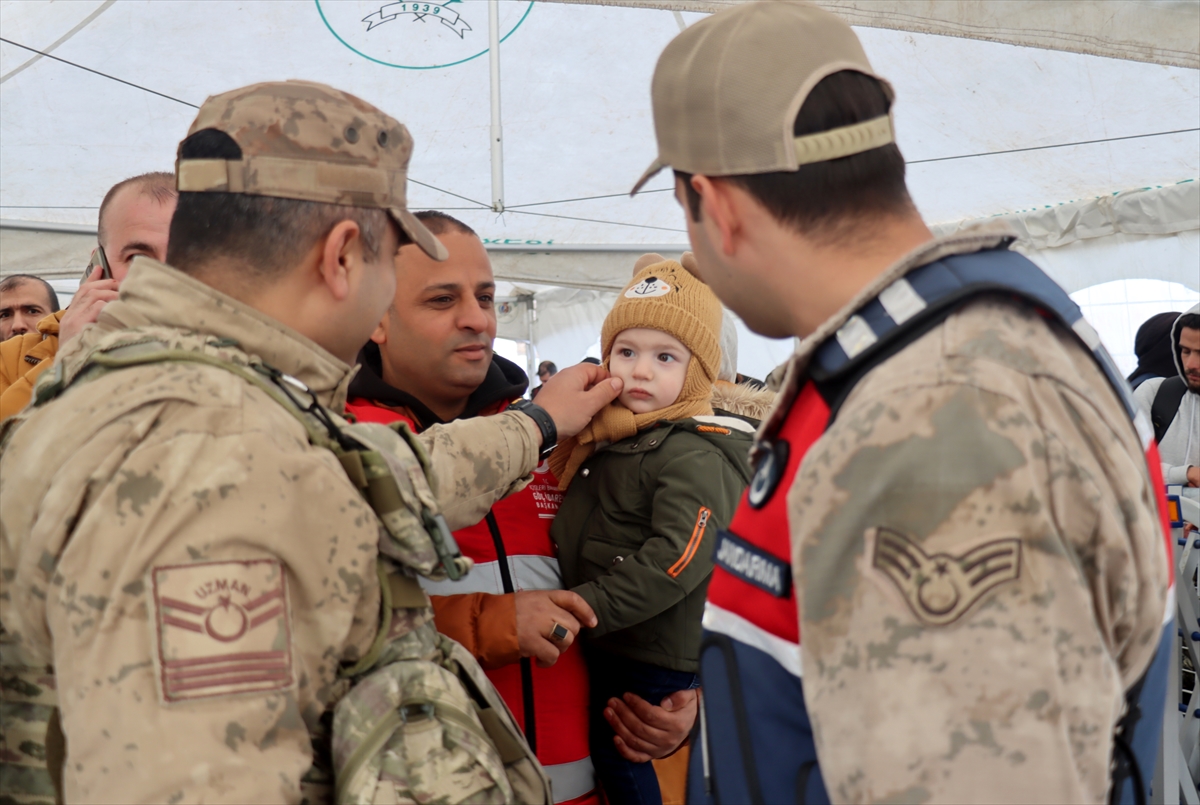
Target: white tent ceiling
point(1046, 136)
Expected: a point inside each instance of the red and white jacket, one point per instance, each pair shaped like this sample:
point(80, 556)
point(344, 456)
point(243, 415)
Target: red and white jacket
point(513, 552)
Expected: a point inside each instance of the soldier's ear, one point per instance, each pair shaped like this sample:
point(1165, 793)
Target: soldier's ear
point(341, 255)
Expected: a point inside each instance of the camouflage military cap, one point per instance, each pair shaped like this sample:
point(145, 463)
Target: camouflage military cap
point(308, 141)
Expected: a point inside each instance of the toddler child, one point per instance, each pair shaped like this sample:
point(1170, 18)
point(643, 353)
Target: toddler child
point(648, 483)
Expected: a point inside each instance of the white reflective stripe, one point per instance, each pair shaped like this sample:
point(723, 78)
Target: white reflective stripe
point(900, 301)
point(855, 336)
point(1145, 430)
point(529, 572)
point(483, 578)
point(1087, 332)
point(571, 780)
point(784, 652)
point(535, 572)
point(727, 422)
point(1169, 615)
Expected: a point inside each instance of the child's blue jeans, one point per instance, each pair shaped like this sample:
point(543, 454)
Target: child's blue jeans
point(611, 676)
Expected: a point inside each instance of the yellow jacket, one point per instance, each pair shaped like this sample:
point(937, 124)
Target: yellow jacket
point(22, 359)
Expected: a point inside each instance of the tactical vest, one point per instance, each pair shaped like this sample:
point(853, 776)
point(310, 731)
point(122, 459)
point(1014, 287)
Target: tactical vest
point(756, 741)
point(409, 681)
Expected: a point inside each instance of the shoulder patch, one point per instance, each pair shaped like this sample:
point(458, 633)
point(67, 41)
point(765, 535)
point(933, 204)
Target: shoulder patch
point(221, 629)
point(939, 589)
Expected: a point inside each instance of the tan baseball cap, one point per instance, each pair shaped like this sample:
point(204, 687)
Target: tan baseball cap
point(311, 142)
point(727, 90)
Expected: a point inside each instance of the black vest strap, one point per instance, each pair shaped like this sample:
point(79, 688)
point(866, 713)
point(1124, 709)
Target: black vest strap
point(1166, 405)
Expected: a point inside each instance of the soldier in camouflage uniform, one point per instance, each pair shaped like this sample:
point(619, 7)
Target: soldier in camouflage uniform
point(195, 570)
point(965, 535)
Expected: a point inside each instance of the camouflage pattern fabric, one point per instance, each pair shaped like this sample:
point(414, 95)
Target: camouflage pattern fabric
point(166, 520)
point(410, 731)
point(27, 697)
point(979, 562)
point(304, 140)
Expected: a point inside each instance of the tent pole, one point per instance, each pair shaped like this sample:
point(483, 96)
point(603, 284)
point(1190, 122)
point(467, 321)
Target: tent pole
point(497, 135)
point(531, 359)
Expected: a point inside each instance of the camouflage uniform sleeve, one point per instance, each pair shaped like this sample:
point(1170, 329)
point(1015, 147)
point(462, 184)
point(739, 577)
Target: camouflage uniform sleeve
point(981, 576)
point(478, 461)
point(210, 586)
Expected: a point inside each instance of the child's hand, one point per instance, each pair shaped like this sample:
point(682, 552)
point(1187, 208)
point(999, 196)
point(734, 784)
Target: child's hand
point(538, 611)
point(574, 395)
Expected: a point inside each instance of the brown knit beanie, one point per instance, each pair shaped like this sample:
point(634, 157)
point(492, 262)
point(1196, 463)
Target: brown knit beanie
point(665, 296)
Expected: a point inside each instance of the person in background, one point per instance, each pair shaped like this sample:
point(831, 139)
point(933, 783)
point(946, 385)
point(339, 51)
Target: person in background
point(431, 361)
point(24, 301)
point(648, 483)
point(1173, 404)
point(134, 218)
point(546, 370)
point(1154, 348)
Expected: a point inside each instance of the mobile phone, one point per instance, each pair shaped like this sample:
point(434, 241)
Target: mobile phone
point(99, 259)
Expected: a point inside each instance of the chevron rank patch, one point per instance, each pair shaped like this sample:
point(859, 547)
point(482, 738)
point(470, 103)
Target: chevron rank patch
point(940, 588)
point(223, 628)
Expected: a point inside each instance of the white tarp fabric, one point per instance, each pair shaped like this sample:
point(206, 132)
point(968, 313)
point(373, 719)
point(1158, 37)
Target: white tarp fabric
point(1161, 31)
point(988, 128)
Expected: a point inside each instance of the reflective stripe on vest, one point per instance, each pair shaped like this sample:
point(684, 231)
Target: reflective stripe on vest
point(528, 573)
point(571, 780)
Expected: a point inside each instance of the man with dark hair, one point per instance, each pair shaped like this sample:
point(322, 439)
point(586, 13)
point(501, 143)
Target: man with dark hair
point(1173, 405)
point(952, 504)
point(191, 533)
point(545, 371)
point(24, 301)
point(430, 361)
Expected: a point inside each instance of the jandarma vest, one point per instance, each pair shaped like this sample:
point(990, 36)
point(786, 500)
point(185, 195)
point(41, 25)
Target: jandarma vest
point(757, 743)
point(512, 552)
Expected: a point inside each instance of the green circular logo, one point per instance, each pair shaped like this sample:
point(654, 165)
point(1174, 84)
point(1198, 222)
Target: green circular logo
point(417, 36)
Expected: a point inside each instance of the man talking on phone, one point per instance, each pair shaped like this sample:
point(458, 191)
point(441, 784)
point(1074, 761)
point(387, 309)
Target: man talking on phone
point(134, 218)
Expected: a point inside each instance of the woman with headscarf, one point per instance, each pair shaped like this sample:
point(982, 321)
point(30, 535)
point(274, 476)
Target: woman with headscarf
point(1154, 349)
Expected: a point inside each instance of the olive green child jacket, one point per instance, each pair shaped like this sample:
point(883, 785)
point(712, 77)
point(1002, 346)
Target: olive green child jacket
point(636, 529)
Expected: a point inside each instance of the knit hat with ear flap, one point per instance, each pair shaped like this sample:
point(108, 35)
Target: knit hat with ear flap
point(662, 296)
